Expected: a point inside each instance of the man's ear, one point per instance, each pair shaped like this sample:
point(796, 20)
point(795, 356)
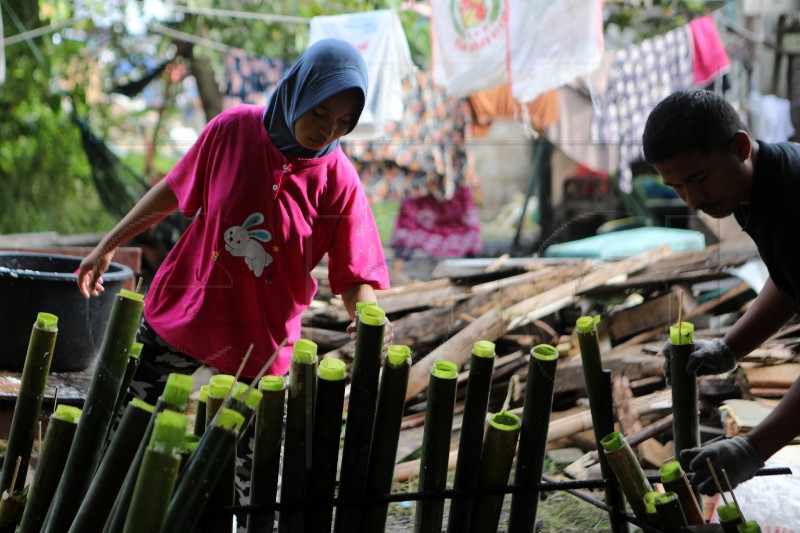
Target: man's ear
point(740, 145)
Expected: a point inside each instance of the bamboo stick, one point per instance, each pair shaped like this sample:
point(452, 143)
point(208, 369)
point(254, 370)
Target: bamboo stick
point(326, 433)
point(267, 451)
point(686, 420)
point(157, 475)
point(110, 475)
point(675, 480)
point(223, 492)
point(200, 414)
point(670, 513)
point(52, 459)
point(628, 471)
point(89, 443)
point(28, 407)
point(497, 455)
point(479, 385)
point(127, 377)
point(202, 472)
point(297, 446)
point(361, 408)
point(436, 445)
point(534, 435)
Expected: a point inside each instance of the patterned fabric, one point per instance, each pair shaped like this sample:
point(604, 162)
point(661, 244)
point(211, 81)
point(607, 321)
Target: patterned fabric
point(641, 76)
point(425, 153)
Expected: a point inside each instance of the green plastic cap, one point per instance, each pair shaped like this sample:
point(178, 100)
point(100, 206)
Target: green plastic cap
point(361, 305)
point(306, 345)
point(125, 293)
point(190, 442)
point(141, 404)
point(372, 315)
point(67, 413)
point(728, 512)
point(238, 391)
point(665, 498)
point(750, 527)
point(483, 349)
point(46, 321)
point(272, 383)
point(204, 393)
point(398, 354)
point(136, 349)
point(169, 430)
point(686, 335)
point(671, 471)
point(587, 324)
point(505, 421)
point(613, 441)
point(253, 398)
point(331, 369)
point(219, 385)
point(229, 419)
point(178, 389)
point(544, 352)
point(649, 499)
point(444, 369)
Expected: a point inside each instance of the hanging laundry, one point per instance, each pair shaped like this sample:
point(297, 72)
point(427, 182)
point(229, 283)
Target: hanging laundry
point(493, 104)
point(770, 117)
point(710, 57)
point(536, 45)
point(380, 38)
point(250, 79)
point(640, 76)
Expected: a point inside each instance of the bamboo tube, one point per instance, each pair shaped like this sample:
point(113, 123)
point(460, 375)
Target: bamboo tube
point(670, 513)
point(685, 421)
point(751, 526)
point(479, 385)
point(729, 517)
point(675, 480)
point(650, 507)
point(110, 475)
point(218, 387)
point(200, 414)
point(628, 471)
point(589, 344)
point(28, 407)
point(267, 451)
point(533, 436)
point(202, 472)
point(297, 446)
point(157, 475)
point(87, 448)
point(497, 455)
point(360, 415)
point(386, 435)
point(245, 400)
point(327, 430)
point(436, 445)
point(175, 398)
point(52, 458)
point(127, 377)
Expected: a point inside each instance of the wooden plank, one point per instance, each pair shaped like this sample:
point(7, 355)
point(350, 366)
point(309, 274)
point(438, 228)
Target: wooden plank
point(659, 311)
point(773, 376)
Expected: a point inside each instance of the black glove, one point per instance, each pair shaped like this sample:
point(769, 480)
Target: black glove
point(707, 358)
point(737, 456)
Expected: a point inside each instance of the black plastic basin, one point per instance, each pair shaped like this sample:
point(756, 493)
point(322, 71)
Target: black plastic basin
point(31, 283)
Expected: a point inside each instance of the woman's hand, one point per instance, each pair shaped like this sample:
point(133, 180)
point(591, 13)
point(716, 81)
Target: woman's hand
point(90, 272)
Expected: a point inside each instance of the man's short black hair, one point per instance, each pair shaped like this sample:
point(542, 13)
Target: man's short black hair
point(689, 121)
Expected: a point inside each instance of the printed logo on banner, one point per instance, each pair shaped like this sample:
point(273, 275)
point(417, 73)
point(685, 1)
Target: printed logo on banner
point(478, 23)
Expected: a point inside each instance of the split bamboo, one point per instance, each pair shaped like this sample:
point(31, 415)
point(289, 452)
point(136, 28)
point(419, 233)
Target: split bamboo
point(497, 455)
point(360, 423)
point(386, 435)
point(52, 458)
point(628, 471)
point(157, 475)
point(297, 445)
point(202, 472)
point(25, 420)
point(686, 420)
point(89, 443)
point(533, 436)
point(670, 513)
point(326, 434)
point(479, 385)
point(110, 475)
point(268, 436)
point(436, 445)
point(675, 480)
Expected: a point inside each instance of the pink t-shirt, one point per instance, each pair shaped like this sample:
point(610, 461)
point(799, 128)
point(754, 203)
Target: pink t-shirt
point(241, 273)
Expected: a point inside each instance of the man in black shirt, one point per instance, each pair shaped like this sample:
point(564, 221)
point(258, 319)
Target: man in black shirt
point(698, 144)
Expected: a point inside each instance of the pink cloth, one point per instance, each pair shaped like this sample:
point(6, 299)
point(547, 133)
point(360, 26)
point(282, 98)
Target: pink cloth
point(710, 56)
point(447, 228)
point(241, 273)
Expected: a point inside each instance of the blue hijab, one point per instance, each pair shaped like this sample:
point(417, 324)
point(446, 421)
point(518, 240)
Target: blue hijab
point(326, 68)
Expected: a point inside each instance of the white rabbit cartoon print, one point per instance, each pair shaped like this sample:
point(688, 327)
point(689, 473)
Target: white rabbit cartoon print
point(241, 241)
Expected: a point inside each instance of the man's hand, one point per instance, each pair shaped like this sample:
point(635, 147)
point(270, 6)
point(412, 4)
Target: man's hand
point(707, 358)
point(388, 333)
point(737, 456)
